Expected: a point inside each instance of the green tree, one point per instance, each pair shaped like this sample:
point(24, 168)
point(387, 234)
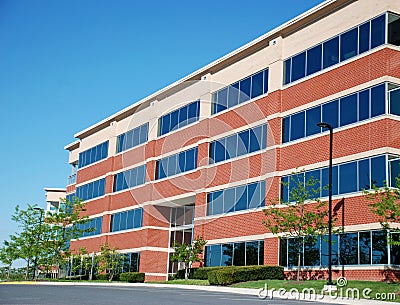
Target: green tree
point(8, 254)
point(66, 224)
point(293, 219)
point(28, 240)
point(386, 205)
point(110, 261)
point(188, 254)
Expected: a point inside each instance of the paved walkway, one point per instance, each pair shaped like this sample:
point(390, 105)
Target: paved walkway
point(263, 294)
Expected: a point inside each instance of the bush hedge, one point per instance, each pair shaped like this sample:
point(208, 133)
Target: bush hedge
point(132, 277)
point(195, 273)
point(229, 275)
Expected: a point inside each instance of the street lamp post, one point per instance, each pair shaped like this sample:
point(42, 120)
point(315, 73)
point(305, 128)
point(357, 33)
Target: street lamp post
point(328, 126)
point(40, 226)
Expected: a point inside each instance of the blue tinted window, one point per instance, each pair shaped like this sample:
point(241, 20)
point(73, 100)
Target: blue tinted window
point(312, 180)
point(239, 198)
point(394, 98)
point(93, 154)
point(363, 175)
point(265, 90)
point(378, 31)
point(233, 96)
point(178, 163)
point(127, 220)
point(298, 66)
point(243, 143)
point(132, 138)
point(378, 171)
point(241, 91)
point(92, 227)
point(378, 100)
point(257, 83)
point(247, 141)
point(287, 70)
point(245, 88)
point(330, 113)
point(180, 117)
point(256, 135)
point(313, 117)
point(363, 105)
point(348, 178)
point(285, 188)
point(364, 37)
point(286, 129)
point(91, 190)
point(297, 127)
point(394, 172)
point(331, 52)
point(349, 44)
point(130, 178)
point(325, 181)
point(314, 59)
point(348, 109)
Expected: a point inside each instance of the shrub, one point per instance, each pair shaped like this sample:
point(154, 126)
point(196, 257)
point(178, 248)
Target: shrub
point(229, 275)
point(132, 277)
point(101, 277)
point(195, 273)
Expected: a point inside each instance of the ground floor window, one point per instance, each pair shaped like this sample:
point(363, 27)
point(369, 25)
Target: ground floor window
point(236, 254)
point(130, 262)
point(350, 248)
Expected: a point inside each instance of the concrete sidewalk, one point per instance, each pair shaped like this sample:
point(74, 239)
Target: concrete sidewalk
point(261, 293)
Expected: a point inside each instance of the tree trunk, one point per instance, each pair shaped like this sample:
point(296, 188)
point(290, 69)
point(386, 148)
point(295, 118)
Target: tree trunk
point(186, 273)
point(27, 269)
point(298, 266)
point(8, 272)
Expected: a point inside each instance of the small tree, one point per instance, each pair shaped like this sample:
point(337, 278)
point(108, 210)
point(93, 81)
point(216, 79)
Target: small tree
point(8, 254)
point(110, 261)
point(386, 205)
point(28, 240)
point(188, 254)
point(291, 219)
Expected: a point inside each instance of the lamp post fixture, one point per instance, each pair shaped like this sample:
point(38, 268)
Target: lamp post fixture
point(40, 225)
point(328, 126)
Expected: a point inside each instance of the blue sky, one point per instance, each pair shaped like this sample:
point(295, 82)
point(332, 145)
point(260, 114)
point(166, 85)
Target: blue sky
point(66, 64)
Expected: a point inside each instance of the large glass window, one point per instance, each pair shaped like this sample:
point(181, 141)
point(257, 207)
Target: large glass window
point(238, 144)
point(342, 47)
point(350, 248)
point(133, 137)
point(249, 196)
point(91, 227)
point(127, 220)
point(91, 190)
point(130, 262)
point(130, 178)
point(236, 254)
point(346, 177)
point(94, 154)
point(241, 91)
point(179, 118)
point(352, 108)
point(176, 164)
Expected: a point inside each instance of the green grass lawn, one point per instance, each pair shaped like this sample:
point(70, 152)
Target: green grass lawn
point(375, 287)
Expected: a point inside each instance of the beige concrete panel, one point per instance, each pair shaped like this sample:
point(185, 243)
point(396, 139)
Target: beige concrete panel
point(247, 66)
point(336, 23)
point(96, 138)
point(73, 156)
point(54, 196)
point(193, 92)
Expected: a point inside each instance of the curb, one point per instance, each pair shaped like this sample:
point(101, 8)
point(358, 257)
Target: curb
point(261, 293)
